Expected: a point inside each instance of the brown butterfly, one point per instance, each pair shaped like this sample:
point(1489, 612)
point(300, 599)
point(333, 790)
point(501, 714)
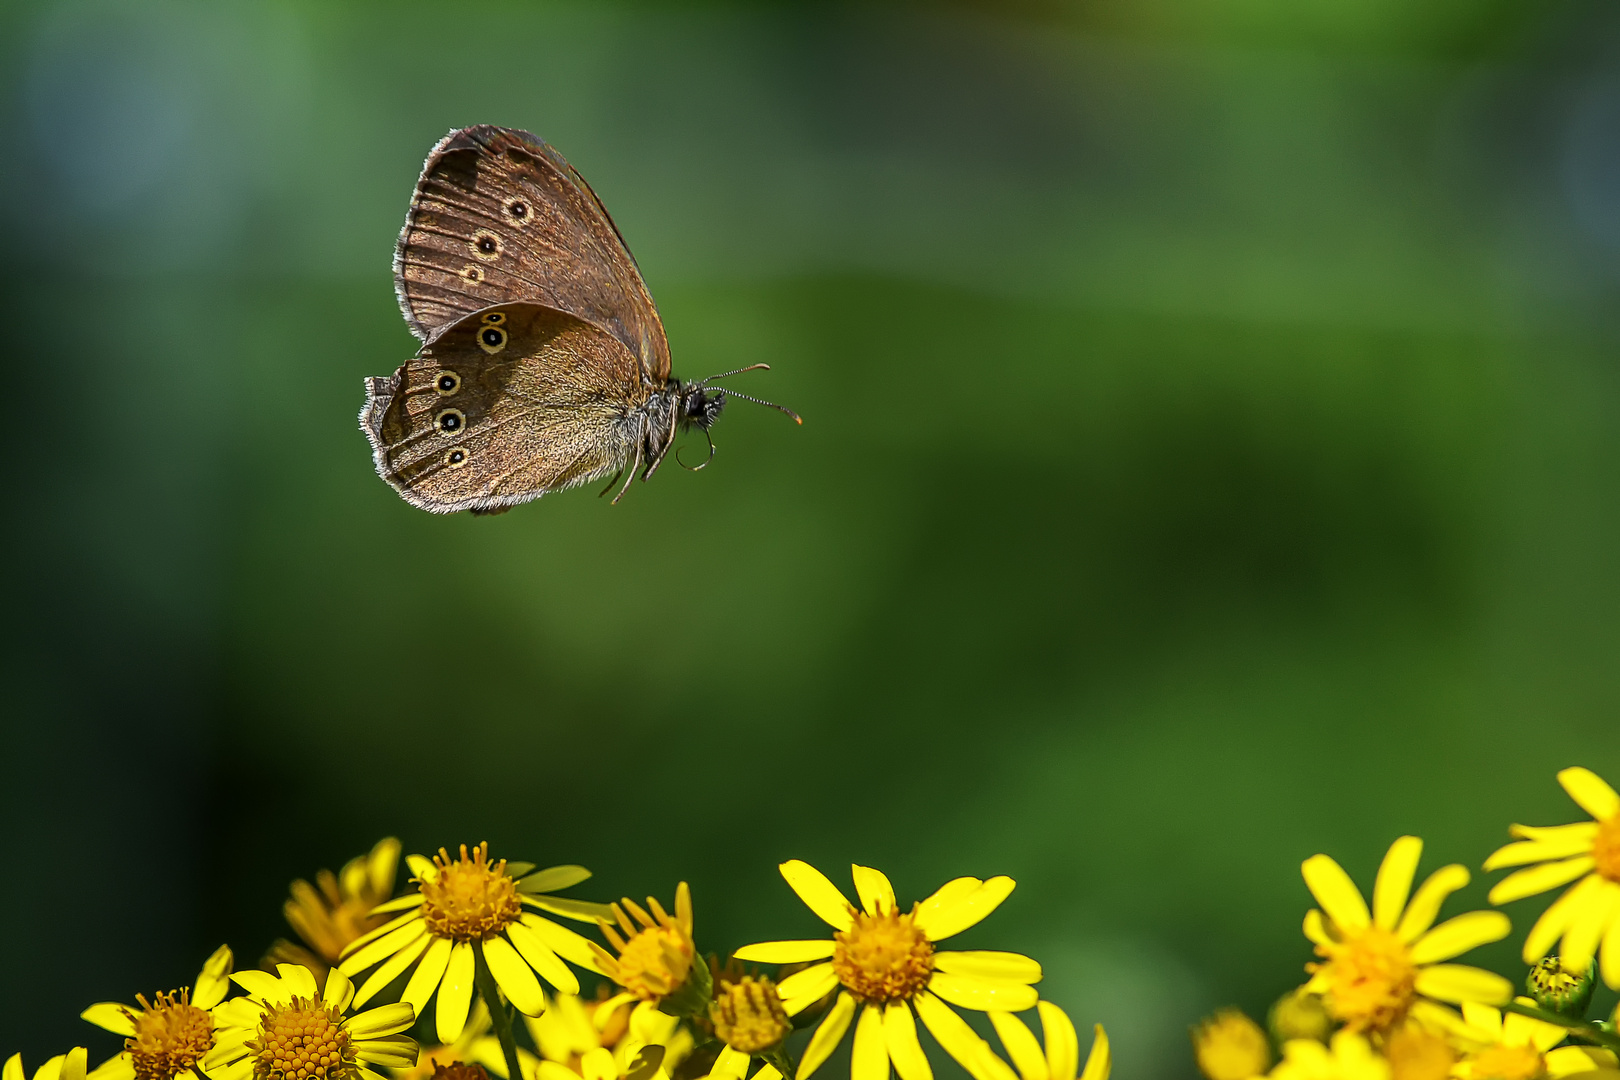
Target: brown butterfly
point(543, 362)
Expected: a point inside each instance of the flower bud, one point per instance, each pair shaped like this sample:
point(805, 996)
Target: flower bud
point(1559, 990)
point(1230, 1046)
point(748, 1015)
point(1299, 1015)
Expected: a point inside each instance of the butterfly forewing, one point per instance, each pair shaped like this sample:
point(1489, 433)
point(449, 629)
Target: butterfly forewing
point(499, 216)
point(503, 406)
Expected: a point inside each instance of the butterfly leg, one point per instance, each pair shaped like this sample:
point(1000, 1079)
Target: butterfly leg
point(630, 477)
point(613, 480)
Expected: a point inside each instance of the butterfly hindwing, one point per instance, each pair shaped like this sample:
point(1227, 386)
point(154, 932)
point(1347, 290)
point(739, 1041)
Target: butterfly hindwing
point(503, 406)
point(499, 216)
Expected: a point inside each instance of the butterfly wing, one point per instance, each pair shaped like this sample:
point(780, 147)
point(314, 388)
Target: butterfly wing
point(499, 216)
point(503, 406)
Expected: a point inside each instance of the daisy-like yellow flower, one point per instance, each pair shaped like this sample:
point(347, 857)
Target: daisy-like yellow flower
point(1379, 967)
point(68, 1066)
point(168, 1035)
point(469, 903)
point(603, 1040)
point(1060, 1059)
point(285, 1028)
point(336, 909)
point(1587, 916)
point(655, 951)
point(887, 966)
point(1508, 1046)
point(1347, 1057)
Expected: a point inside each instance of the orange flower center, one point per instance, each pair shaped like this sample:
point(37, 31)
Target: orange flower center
point(655, 962)
point(883, 958)
point(469, 899)
point(302, 1040)
point(1508, 1063)
point(1606, 848)
point(748, 1015)
point(1371, 979)
point(171, 1036)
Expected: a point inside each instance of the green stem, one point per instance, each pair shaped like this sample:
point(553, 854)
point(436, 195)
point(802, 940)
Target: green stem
point(1583, 1029)
point(782, 1063)
point(499, 1018)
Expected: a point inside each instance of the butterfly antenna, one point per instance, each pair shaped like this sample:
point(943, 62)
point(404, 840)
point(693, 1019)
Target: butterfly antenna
point(739, 371)
point(757, 401)
point(697, 468)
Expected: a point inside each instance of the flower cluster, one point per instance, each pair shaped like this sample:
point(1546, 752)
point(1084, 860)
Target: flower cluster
point(1384, 999)
point(473, 970)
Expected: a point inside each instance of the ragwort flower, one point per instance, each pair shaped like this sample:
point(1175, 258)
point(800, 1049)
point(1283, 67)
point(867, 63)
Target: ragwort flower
point(1509, 1046)
point(655, 952)
point(286, 1027)
point(1060, 1059)
point(1587, 916)
point(168, 1035)
point(886, 965)
point(467, 903)
point(1379, 967)
point(337, 909)
point(1230, 1046)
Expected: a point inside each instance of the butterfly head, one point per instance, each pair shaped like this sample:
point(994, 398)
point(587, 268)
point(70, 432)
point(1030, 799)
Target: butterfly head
point(699, 405)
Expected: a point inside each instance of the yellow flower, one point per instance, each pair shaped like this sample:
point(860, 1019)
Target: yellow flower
point(1589, 912)
point(1508, 1046)
point(1230, 1046)
point(1347, 1057)
point(887, 966)
point(602, 1040)
point(467, 903)
point(654, 957)
point(1379, 967)
point(168, 1035)
point(68, 1066)
point(285, 1027)
point(1059, 1060)
point(336, 909)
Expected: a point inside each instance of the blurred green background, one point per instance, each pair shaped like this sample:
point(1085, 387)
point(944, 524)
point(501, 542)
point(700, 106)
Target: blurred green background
point(1211, 457)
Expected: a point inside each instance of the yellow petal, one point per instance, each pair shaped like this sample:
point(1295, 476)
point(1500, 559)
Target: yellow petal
point(1007, 966)
point(953, 909)
point(1570, 1060)
point(827, 1036)
point(953, 1033)
point(455, 994)
point(786, 952)
point(585, 911)
point(729, 1065)
point(598, 1064)
point(425, 979)
point(1394, 882)
point(389, 969)
point(399, 903)
point(553, 878)
point(1458, 983)
point(373, 934)
point(870, 1060)
point(805, 988)
point(1425, 905)
point(1525, 1031)
point(1557, 843)
point(338, 992)
point(1456, 936)
point(111, 1016)
point(13, 1069)
point(1587, 925)
point(75, 1064)
point(394, 1051)
point(1590, 792)
point(1100, 1062)
point(819, 895)
point(383, 947)
point(1556, 919)
point(1609, 966)
point(117, 1067)
point(514, 977)
point(1536, 879)
point(1021, 1046)
point(877, 895)
point(1062, 1042)
point(900, 1037)
point(970, 992)
point(564, 942)
point(1336, 893)
point(381, 1022)
point(1316, 928)
point(1483, 1019)
point(214, 980)
point(541, 958)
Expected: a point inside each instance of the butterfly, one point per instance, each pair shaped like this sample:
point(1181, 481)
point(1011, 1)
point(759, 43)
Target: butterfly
point(543, 363)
